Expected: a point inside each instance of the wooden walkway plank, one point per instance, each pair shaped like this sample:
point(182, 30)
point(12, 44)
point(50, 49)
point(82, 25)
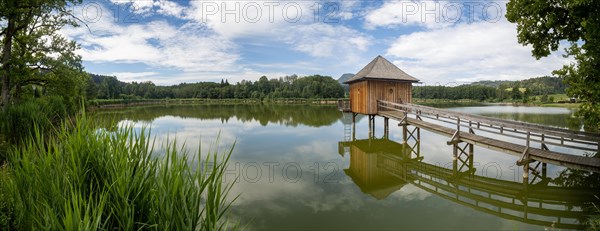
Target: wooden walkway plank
point(546, 156)
point(535, 130)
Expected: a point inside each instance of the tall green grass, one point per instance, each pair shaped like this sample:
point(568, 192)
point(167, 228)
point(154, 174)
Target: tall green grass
point(86, 179)
point(17, 121)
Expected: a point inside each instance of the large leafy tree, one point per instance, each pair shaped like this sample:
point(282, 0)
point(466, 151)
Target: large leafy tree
point(33, 52)
point(545, 24)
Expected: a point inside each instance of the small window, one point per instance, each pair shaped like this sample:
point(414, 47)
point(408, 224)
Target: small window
point(391, 91)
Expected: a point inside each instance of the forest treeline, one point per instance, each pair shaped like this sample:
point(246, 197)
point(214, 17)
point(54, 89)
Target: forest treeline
point(292, 86)
point(315, 86)
point(495, 90)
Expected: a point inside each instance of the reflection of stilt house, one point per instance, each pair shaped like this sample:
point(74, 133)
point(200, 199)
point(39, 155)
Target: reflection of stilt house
point(365, 158)
point(379, 80)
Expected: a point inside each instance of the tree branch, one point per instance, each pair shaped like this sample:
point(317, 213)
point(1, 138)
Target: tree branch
point(78, 19)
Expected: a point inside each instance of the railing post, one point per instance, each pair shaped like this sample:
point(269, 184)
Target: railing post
point(526, 155)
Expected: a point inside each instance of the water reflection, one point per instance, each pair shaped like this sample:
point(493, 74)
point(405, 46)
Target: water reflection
point(380, 167)
point(288, 115)
point(274, 144)
point(554, 116)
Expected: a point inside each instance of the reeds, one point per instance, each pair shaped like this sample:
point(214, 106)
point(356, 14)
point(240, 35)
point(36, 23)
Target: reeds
point(86, 179)
point(18, 120)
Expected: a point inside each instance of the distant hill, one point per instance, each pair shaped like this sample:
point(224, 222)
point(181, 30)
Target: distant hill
point(490, 83)
point(345, 77)
point(538, 85)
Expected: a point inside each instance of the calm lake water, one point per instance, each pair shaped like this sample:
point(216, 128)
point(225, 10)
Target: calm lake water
point(297, 167)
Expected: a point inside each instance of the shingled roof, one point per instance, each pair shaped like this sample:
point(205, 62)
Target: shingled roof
point(381, 68)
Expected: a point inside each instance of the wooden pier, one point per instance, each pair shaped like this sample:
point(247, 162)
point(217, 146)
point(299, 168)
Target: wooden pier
point(532, 143)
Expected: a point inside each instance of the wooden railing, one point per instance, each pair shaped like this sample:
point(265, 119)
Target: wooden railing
point(545, 135)
point(344, 105)
point(501, 198)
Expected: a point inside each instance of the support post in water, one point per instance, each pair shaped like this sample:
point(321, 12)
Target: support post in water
point(454, 151)
point(386, 129)
point(404, 133)
point(353, 131)
point(371, 126)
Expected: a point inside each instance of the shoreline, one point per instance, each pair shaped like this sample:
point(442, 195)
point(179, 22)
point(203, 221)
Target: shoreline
point(121, 103)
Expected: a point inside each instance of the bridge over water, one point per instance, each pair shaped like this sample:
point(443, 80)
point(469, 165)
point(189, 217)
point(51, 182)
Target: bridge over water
point(534, 145)
point(381, 166)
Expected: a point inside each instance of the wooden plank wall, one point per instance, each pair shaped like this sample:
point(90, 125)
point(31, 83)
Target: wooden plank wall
point(359, 163)
point(364, 166)
point(397, 92)
point(364, 94)
point(358, 97)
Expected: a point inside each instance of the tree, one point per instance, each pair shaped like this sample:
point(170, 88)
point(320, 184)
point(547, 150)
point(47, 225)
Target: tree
point(32, 50)
point(516, 93)
point(545, 24)
point(544, 98)
point(526, 95)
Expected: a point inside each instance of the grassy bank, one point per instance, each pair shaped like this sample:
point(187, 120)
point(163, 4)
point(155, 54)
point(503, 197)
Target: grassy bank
point(85, 179)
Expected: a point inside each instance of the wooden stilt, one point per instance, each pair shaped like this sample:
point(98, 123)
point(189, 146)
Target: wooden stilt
point(386, 129)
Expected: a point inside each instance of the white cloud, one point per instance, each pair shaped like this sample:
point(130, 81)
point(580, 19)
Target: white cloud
point(188, 48)
point(235, 19)
point(205, 48)
point(325, 40)
point(469, 52)
point(433, 14)
point(150, 7)
point(281, 21)
point(133, 76)
point(170, 8)
point(233, 76)
point(143, 7)
point(430, 14)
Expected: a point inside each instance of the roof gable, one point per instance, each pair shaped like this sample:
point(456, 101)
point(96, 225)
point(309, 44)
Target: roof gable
point(381, 68)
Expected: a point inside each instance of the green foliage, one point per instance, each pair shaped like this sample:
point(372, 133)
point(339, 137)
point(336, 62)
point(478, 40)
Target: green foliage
point(516, 93)
point(545, 24)
point(537, 86)
point(474, 92)
point(34, 54)
point(18, 120)
point(594, 221)
point(544, 99)
point(522, 91)
point(85, 179)
point(316, 86)
point(289, 115)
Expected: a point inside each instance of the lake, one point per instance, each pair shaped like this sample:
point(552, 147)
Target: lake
point(298, 167)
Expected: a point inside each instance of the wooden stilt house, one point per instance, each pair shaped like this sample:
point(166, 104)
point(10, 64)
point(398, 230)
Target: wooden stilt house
point(379, 80)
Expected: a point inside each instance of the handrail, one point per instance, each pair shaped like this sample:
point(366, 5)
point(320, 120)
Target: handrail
point(477, 121)
point(495, 121)
point(435, 176)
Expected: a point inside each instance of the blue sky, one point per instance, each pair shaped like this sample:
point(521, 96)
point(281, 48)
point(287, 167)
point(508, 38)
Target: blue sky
point(169, 42)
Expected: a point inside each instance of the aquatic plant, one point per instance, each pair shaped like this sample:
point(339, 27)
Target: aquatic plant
point(83, 178)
